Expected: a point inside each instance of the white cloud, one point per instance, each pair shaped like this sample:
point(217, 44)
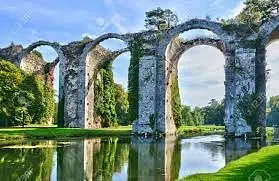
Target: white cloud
point(272, 58)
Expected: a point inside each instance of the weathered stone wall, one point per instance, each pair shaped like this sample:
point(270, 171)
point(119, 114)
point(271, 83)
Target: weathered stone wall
point(244, 76)
point(11, 53)
point(32, 63)
point(244, 84)
point(147, 96)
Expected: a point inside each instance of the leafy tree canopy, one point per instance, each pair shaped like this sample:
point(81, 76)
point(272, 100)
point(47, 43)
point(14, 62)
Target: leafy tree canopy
point(160, 19)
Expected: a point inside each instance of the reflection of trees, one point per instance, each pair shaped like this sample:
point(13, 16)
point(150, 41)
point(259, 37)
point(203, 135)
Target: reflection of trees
point(176, 161)
point(26, 164)
point(94, 159)
point(110, 159)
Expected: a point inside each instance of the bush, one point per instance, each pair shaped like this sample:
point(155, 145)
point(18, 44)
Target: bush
point(24, 98)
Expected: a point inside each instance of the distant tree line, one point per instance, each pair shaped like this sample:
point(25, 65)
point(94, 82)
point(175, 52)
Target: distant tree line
point(272, 112)
point(212, 114)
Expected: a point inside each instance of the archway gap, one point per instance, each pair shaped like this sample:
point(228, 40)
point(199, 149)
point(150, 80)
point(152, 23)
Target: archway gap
point(201, 68)
point(272, 90)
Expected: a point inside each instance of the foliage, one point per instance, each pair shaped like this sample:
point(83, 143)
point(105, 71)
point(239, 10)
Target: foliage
point(25, 98)
point(192, 118)
point(39, 54)
point(26, 164)
point(136, 50)
point(248, 110)
point(105, 97)
point(122, 104)
point(110, 158)
point(266, 159)
point(200, 130)
point(252, 16)
point(214, 113)
point(274, 103)
point(160, 19)
point(258, 11)
point(273, 111)
point(176, 102)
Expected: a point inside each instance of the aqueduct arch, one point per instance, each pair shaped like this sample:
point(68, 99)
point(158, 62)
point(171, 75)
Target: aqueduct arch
point(268, 33)
point(91, 60)
point(174, 51)
point(244, 73)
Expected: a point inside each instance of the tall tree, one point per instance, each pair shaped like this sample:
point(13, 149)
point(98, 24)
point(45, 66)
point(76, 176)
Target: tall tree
point(160, 19)
point(258, 11)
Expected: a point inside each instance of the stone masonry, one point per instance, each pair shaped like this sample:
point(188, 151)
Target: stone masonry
point(79, 63)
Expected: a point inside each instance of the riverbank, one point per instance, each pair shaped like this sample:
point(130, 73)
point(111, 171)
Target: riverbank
point(261, 165)
point(52, 132)
point(61, 133)
point(37, 132)
point(188, 131)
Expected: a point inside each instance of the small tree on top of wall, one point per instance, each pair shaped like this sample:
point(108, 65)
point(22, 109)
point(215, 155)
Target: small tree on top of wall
point(160, 19)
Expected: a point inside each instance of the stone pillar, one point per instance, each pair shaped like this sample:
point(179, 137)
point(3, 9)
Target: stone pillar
point(147, 96)
point(244, 69)
point(151, 159)
point(230, 92)
point(261, 89)
point(71, 99)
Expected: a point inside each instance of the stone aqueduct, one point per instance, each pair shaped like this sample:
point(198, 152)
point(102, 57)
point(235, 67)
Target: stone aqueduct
point(245, 73)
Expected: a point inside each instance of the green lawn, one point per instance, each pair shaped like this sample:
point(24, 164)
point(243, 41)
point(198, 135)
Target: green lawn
point(200, 130)
point(44, 132)
point(60, 133)
point(264, 164)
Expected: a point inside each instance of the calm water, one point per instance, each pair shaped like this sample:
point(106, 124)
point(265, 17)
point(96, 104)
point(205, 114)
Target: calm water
point(116, 159)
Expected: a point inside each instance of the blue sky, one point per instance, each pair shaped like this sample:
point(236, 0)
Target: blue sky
point(24, 22)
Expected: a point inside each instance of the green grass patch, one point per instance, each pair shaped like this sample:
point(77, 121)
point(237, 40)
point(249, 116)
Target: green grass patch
point(61, 133)
point(200, 130)
point(261, 165)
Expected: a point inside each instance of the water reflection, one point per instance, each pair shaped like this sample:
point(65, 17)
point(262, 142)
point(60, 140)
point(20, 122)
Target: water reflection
point(115, 159)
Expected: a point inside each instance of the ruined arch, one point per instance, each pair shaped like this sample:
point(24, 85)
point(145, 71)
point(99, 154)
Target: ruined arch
point(92, 60)
point(61, 59)
point(174, 51)
point(212, 26)
point(268, 33)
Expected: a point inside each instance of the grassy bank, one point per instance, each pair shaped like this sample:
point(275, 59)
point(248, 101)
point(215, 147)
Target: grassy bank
point(37, 132)
point(186, 131)
point(262, 164)
point(61, 133)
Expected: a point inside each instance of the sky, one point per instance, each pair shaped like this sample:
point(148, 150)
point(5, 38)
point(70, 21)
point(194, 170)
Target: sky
point(24, 22)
